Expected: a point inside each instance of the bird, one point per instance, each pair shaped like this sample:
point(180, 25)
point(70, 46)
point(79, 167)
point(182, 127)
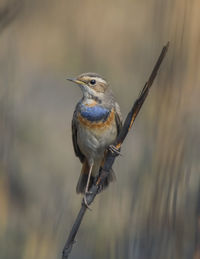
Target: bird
point(96, 123)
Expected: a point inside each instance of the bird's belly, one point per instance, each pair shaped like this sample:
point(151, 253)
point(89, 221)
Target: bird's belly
point(93, 141)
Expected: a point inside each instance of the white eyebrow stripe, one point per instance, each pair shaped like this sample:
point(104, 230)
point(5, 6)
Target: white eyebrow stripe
point(100, 80)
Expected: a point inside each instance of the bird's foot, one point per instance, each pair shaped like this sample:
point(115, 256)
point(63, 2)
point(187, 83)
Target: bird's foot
point(114, 150)
point(85, 200)
point(101, 188)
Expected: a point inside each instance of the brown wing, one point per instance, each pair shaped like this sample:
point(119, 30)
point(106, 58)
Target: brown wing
point(118, 118)
point(74, 139)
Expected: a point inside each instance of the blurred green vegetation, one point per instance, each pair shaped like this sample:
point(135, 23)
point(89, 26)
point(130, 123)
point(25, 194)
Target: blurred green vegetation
point(152, 210)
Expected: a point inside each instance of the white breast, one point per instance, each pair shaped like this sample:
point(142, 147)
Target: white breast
point(93, 141)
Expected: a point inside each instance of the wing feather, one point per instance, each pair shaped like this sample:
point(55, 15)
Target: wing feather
point(77, 150)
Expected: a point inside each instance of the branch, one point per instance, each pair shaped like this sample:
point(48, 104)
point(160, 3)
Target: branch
point(110, 157)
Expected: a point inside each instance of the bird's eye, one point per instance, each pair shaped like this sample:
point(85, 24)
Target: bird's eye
point(92, 82)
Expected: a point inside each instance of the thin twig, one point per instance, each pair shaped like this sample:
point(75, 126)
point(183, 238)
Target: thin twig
point(110, 157)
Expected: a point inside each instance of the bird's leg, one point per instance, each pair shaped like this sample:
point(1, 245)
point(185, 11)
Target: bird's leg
point(87, 186)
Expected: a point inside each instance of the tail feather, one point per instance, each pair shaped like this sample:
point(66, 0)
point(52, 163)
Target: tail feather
point(111, 178)
point(82, 181)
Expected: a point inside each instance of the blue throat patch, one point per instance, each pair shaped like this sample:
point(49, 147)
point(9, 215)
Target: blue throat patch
point(94, 113)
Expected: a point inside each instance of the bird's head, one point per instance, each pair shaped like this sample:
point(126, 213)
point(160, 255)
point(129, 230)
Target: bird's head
point(91, 84)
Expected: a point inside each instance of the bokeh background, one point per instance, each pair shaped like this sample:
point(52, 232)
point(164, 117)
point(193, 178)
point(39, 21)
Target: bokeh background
point(152, 210)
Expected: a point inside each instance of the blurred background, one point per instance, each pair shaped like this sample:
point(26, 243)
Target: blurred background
point(152, 210)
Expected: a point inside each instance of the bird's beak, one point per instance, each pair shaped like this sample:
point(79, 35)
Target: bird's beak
point(74, 80)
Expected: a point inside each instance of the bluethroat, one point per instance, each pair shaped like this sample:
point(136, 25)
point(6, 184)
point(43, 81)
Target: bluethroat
point(96, 123)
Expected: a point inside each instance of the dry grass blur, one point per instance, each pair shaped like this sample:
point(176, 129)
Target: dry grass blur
point(152, 210)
